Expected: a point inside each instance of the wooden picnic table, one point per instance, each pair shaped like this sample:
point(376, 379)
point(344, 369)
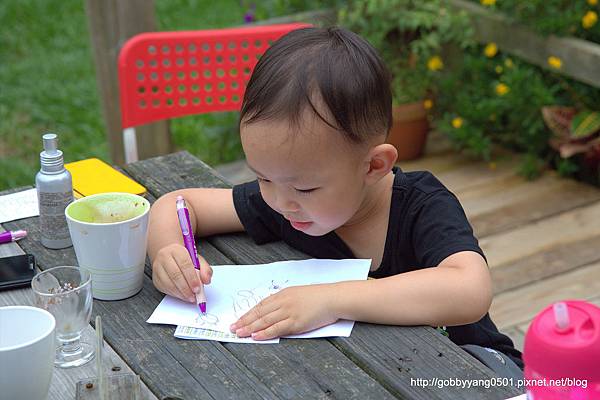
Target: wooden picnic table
point(375, 362)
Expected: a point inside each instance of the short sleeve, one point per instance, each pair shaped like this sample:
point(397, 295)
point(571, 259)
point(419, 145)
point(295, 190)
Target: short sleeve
point(441, 229)
point(260, 221)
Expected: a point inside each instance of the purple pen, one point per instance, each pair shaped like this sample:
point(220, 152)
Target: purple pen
point(190, 245)
point(12, 236)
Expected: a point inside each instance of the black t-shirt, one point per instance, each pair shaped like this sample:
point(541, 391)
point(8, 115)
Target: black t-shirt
point(426, 225)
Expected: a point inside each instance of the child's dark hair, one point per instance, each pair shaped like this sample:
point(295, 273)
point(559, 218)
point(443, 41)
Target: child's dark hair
point(334, 64)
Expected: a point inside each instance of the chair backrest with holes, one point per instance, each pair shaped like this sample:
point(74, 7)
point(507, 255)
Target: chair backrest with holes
point(165, 75)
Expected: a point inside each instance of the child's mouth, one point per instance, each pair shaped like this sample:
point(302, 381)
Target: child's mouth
point(300, 225)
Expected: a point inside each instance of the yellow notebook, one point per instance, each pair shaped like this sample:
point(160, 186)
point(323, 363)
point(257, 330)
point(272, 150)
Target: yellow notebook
point(93, 176)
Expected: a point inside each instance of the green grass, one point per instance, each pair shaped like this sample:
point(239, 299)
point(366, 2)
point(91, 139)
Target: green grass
point(48, 83)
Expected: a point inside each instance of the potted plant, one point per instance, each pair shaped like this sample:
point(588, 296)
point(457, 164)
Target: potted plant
point(410, 36)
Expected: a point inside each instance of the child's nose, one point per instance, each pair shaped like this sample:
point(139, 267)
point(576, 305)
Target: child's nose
point(285, 204)
point(289, 206)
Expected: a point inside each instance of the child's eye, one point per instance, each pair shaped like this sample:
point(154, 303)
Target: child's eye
point(262, 179)
point(306, 191)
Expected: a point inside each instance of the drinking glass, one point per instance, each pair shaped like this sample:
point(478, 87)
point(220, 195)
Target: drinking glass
point(66, 292)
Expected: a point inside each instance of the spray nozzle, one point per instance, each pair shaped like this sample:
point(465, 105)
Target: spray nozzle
point(561, 316)
point(50, 143)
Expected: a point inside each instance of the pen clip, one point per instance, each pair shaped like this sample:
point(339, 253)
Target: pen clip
point(185, 229)
point(182, 214)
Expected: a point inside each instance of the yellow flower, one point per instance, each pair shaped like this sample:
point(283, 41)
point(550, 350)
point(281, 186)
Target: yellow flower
point(427, 104)
point(589, 19)
point(592, 2)
point(490, 50)
point(488, 2)
point(492, 165)
point(555, 62)
point(435, 63)
point(457, 122)
point(509, 63)
point(502, 89)
point(498, 69)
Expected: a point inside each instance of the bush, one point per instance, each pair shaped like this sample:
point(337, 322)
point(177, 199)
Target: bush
point(553, 17)
point(410, 36)
point(493, 98)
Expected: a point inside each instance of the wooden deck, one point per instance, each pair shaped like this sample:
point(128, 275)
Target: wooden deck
point(541, 237)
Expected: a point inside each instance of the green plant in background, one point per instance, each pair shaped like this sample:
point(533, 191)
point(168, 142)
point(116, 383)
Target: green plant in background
point(410, 36)
point(577, 18)
point(48, 83)
point(492, 98)
point(264, 9)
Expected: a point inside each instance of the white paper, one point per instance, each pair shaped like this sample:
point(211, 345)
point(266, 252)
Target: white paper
point(187, 332)
point(19, 205)
point(520, 397)
point(341, 328)
point(235, 289)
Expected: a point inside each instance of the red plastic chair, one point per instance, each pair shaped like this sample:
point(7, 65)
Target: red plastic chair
point(165, 75)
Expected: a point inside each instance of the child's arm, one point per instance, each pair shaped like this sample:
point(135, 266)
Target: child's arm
point(211, 212)
point(458, 291)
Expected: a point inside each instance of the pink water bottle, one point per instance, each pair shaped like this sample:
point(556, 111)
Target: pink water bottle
point(562, 353)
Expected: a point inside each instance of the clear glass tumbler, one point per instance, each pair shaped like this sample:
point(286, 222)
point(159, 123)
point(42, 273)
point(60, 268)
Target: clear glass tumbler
point(66, 292)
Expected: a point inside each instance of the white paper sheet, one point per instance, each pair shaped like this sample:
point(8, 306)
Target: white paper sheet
point(235, 289)
point(19, 205)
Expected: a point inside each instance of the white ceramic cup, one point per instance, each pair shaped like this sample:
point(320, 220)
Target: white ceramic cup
point(26, 352)
point(109, 233)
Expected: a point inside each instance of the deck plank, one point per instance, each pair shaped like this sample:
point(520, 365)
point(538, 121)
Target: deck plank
point(561, 258)
point(435, 164)
point(520, 305)
point(477, 174)
point(500, 206)
point(566, 227)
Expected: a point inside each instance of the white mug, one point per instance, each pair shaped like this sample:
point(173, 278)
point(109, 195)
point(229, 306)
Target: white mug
point(109, 233)
point(26, 352)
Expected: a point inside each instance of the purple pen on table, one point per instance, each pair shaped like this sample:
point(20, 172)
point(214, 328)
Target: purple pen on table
point(12, 236)
point(188, 240)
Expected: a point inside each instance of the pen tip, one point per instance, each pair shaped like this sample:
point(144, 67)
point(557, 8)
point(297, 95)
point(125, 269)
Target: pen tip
point(202, 307)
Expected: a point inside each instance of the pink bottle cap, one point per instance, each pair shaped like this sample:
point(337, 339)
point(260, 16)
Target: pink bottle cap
point(563, 341)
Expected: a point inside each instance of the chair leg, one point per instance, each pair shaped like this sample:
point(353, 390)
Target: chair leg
point(130, 144)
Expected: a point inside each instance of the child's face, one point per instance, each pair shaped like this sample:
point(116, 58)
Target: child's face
point(313, 177)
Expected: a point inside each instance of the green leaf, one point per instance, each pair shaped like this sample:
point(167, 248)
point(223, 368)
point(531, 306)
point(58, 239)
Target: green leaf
point(585, 124)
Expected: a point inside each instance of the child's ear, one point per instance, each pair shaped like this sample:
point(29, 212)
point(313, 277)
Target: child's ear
point(380, 160)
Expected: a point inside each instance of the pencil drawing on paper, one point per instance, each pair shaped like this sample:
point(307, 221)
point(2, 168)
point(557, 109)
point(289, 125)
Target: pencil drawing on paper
point(207, 320)
point(245, 299)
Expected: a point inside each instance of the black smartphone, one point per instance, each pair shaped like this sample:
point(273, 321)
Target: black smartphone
point(16, 271)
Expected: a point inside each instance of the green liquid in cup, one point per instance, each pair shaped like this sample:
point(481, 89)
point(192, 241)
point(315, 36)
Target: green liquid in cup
point(107, 209)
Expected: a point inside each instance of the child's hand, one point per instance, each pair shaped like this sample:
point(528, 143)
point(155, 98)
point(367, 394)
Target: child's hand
point(173, 272)
point(293, 310)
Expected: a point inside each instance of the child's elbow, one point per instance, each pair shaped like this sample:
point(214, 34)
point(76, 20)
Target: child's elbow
point(479, 302)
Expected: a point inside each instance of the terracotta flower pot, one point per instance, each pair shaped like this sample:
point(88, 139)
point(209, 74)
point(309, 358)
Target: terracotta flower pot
point(409, 130)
